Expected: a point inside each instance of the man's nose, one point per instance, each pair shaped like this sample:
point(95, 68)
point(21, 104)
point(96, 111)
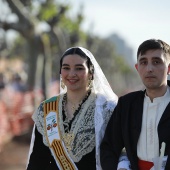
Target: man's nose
point(149, 67)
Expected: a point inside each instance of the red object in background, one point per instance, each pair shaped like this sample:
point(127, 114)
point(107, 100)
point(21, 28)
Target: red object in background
point(21, 110)
point(5, 134)
point(16, 109)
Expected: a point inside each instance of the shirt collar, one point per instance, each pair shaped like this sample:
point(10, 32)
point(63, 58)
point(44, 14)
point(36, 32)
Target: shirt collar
point(158, 99)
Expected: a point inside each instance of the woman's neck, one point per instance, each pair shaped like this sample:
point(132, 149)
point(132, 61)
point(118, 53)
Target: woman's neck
point(76, 97)
point(74, 101)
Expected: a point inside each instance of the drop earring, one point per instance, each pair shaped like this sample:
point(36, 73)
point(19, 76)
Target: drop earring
point(62, 84)
point(90, 84)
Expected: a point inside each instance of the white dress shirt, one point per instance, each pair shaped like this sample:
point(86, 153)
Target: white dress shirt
point(148, 143)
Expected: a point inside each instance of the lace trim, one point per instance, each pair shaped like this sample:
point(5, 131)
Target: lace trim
point(103, 111)
point(88, 126)
point(38, 118)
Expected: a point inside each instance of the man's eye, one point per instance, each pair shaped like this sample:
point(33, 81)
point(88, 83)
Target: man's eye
point(143, 62)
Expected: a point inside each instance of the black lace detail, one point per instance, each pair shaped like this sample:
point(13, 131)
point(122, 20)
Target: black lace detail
point(67, 122)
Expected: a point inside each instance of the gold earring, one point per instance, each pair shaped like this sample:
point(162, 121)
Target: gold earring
point(90, 84)
point(62, 84)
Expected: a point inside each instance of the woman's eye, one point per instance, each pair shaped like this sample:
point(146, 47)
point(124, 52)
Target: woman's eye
point(65, 68)
point(156, 62)
point(79, 68)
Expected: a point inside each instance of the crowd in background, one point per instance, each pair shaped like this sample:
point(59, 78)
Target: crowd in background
point(17, 106)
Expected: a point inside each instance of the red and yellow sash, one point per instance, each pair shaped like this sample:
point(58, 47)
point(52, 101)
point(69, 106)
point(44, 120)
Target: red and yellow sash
point(51, 118)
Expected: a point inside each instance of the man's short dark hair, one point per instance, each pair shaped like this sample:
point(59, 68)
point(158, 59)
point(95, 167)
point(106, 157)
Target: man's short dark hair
point(154, 44)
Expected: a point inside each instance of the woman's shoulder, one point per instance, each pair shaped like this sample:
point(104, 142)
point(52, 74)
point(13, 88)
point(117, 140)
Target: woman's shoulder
point(52, 99)
point(107, 103)
point(106, 99)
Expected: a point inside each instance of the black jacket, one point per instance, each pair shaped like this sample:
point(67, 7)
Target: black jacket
point(42, 159)
point(124, 129)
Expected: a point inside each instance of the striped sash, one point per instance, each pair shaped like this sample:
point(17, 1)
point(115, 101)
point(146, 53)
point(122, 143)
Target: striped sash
point(53, 135)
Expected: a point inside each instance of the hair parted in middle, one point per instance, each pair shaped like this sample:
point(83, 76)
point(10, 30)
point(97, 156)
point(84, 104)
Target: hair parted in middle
point(78, 51)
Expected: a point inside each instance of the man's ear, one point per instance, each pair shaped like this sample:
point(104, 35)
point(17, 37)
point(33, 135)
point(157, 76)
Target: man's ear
point(136, 66)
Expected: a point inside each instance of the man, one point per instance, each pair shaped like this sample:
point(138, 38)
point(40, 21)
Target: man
point(141, 120)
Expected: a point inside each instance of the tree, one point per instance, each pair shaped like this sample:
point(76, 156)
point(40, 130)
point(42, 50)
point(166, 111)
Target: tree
point(44, 44)
point(59, 32)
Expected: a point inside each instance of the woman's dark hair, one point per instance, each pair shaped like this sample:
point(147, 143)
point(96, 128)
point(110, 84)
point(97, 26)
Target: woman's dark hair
point(78, 51)
point(153, 44)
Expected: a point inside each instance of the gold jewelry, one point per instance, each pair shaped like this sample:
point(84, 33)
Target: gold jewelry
point(73, 106)
point(68, 139)
point(90, 84)
point(62, 84)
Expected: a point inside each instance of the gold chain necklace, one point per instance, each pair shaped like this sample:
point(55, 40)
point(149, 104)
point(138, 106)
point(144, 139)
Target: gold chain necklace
point(74, 106)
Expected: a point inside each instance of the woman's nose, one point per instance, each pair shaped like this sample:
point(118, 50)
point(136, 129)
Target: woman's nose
point(72, 73)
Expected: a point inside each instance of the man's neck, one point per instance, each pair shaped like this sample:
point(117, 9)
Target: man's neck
point(154, 93)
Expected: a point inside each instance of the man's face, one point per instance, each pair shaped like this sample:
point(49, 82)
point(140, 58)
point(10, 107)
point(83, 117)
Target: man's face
point(153, 69)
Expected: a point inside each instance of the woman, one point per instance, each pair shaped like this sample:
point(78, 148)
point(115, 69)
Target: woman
point(69, 127)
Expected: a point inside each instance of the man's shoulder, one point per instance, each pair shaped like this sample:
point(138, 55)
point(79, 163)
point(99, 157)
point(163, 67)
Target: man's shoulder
point(133, 95)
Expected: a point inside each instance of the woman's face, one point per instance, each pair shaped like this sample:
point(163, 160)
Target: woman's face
point(75, 73)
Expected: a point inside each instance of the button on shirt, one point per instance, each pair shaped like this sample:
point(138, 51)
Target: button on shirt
point(148, 144)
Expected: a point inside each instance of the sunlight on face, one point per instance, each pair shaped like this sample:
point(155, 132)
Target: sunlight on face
point(75, 73)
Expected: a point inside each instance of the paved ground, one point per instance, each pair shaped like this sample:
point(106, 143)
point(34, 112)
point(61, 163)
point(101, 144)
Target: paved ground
point(14, 154)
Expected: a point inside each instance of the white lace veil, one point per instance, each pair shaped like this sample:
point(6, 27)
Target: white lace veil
point(105, 94)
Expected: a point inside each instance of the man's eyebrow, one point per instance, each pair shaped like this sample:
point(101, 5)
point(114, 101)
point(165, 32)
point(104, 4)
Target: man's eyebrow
point(153, 58)
point(156, 58)
point(142, 58)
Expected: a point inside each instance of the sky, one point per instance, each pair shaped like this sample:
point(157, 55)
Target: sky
point(134, 21)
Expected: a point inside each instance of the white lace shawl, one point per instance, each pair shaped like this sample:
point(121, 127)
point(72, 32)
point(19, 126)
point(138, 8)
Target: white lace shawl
point(102, 112)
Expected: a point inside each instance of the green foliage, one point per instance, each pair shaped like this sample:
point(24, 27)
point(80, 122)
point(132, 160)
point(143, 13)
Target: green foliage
point(64, 32)
point(47, 12)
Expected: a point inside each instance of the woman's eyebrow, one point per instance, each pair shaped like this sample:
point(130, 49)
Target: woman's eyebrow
point(75, 65)
point(79, 65)
point(65, 64)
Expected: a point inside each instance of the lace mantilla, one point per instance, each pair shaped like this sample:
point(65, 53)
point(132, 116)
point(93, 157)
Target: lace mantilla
point(88, 126)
